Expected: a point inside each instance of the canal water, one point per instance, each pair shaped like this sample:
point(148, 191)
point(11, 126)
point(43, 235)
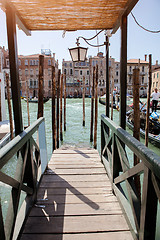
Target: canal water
point(76, 135)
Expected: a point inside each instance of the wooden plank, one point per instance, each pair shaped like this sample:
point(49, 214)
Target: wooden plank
point(79, 171)
point(74, 178)
point(76, 210)
point(76, 224)
point(75, 151)
point(68, 191)
point(120, 235)
point(65, 184)
point(80, 155)
point(71, 166)
point(91, 200)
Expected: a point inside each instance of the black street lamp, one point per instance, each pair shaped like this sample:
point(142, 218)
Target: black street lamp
point(78, 54)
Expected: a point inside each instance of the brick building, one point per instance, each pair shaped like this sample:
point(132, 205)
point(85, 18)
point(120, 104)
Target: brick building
point(155, 77)
point(29, 71)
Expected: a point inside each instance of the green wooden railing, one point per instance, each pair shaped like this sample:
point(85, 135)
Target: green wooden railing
point(22, 163)
point(140, 206)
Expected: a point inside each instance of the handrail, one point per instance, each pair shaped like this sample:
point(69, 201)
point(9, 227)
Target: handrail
point(31, 162)
point(151, 160)
point(16, 144)
point(138, 201)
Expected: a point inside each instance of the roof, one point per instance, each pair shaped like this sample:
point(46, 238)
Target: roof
point(136, 61)
point(69, 14)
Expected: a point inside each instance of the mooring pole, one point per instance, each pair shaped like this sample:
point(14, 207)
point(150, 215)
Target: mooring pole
point(136, 130)
point(112, 88)
point(40, 86)
point(9, 106)
point(83, 101)
point(58, 91)
point(92, 106)
point(148, 100)
point(96, 109)
point(53, 108)
point(65, 102)
point(61, 95)
point(27, 102)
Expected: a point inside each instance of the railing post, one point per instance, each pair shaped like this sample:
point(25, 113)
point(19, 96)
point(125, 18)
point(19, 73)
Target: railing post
point(148, 208)
point(42, 146)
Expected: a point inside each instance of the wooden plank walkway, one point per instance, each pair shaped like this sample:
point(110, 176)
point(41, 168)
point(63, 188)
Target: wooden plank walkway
point(77, 201)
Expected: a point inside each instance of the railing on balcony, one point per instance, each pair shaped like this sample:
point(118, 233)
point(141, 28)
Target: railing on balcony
point(141, 209)
point(22, 162)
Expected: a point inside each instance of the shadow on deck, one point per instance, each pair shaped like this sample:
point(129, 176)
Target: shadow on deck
point(75, 201)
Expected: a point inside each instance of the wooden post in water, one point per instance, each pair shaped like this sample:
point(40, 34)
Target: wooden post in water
point(58, 91)
point(148, 100)
point(9, 106)
point(136, 130)
point(83, 101)
point(92, 105)
point(112, 88)
point(40, 87)
point(96, 109)
point(53, 108)
point(107, 77)
point(27, 102)
point(65, 102)
point(61, 95)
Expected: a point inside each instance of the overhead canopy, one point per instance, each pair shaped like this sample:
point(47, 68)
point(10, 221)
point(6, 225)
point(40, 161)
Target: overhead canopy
point(69, 14)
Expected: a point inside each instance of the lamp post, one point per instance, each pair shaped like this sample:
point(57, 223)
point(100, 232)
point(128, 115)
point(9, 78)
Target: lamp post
point(78, 54)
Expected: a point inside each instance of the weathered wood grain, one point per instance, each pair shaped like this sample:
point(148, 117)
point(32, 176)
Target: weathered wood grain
point(75, 201)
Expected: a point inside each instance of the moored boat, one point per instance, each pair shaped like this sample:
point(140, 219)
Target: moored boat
point(35, 100)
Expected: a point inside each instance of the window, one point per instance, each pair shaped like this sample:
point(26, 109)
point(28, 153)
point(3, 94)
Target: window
point(49, 83)
point(71, 71)
point(34, 62)
point(7, 62)
point(35, 83)
point(99, 83)
point(153, 85)
point(20, 72)
point(49, 62)
point(65, 64)
point(80, 72)
point(30, 62)
point(142, 80)
point(156, 84)
point(19, 62)
point(26, 62)
point(142, 68)
point(76, 72)
point(87, 72)
point(157, 75)
point(101, 72)
point(130, 79)
point(93, 63)
point(26, 72)
point(31, 71)
point(154, 75)
point(37, 62)
point(65, 71)
point(70, 64)
point(37, 72)
point(130, 69)
point(31, 82)
point(49, 71)
point(117, 73)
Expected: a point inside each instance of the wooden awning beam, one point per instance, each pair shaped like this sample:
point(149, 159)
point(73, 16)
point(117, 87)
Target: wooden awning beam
point(130, 5)
point(21, 24)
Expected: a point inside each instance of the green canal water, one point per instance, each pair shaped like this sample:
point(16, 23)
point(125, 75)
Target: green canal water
point(76, 136)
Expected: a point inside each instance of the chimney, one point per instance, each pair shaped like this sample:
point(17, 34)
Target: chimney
point(156, 62)
point(145, 57)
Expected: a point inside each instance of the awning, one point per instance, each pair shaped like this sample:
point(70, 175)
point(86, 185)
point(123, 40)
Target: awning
point(69, 14)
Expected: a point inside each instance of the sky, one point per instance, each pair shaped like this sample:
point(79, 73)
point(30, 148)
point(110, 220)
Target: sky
point(140, 42)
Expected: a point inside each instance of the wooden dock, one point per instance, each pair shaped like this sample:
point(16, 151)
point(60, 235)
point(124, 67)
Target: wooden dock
point(75, 201)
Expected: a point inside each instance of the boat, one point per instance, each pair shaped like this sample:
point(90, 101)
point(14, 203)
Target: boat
point(154, 127)
point(103, 102)
point(35, 100)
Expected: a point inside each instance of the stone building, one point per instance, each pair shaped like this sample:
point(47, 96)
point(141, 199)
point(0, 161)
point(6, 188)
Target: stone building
point(143, 75)
point(155, 77)
point(74, 77)
point(29, 71)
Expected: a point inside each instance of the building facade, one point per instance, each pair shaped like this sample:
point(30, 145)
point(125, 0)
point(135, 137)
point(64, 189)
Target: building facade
point(143, 75)
point(29, 71)
point(155, 77)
